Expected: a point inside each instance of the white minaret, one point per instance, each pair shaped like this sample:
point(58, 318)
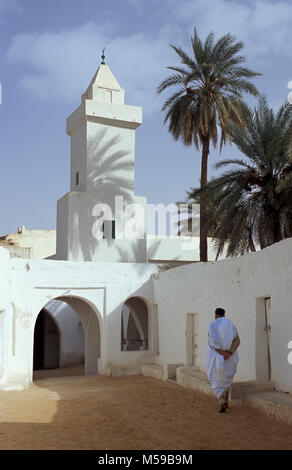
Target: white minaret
point(102, 132)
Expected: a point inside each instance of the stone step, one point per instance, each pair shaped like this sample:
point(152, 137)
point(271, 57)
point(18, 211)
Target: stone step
point(197, 380)
point(241, 389)
point(277, 405)
point(153, 370)
point(161, 372)
point(193, 378)
point(120, 371)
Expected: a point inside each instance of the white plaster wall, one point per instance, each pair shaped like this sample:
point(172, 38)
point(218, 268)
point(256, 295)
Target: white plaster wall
point(62, 232)
point(119, 115)
point(78, 158)
point(105, 151)
point(75, 230)
point(75, 240)
point(110, 160)
point(105, 286)
point(234, 285)
point(177, 248)
point(237, 285)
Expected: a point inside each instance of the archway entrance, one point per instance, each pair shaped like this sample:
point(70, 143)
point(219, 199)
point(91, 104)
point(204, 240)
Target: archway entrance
point(46, 353)
point(67, 336)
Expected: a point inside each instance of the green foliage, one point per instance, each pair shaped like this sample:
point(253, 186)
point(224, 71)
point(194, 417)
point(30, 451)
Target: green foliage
point(210, 87)
point(251, 202)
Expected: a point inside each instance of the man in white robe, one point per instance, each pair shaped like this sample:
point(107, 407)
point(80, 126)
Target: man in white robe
point(222, 356)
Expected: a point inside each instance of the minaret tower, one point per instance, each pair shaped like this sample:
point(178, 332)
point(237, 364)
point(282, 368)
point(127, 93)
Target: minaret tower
point(102, 132)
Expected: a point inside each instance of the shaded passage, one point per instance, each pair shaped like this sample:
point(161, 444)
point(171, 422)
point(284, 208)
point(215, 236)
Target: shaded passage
point(46, 351)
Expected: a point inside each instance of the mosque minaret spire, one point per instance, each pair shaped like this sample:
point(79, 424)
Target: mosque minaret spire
point(102, 167)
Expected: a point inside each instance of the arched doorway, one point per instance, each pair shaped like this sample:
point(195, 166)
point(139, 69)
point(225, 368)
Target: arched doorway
point(134, 325)
point(87, 325)
point(46, 353)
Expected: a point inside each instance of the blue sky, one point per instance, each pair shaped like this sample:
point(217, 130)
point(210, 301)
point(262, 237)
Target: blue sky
point(49, 53)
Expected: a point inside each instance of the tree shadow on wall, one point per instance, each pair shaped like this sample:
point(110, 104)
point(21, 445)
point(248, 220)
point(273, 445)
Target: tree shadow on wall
point(150, 254)
point(109, 173)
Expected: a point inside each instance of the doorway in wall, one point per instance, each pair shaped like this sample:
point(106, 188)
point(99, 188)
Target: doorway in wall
point(46, 353)
point(67, 338)
point(263, 339)
point(192, 339)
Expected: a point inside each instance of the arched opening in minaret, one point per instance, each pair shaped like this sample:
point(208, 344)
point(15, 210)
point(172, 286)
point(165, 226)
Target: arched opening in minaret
point(134, 325)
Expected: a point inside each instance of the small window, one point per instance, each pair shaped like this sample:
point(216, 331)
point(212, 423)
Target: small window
point(110, 95)
point(77, 178)
point(113, 229)
point(109, 229)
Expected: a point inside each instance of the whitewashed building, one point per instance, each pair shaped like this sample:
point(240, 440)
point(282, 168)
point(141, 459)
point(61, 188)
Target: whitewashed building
point(106, 300)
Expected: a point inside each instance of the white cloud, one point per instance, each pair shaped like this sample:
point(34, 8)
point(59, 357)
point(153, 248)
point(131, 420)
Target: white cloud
point(63, 63)
point(60, 62)
point(265, 25)
point(59, 65)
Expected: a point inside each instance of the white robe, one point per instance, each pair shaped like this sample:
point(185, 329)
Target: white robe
point(221, 372)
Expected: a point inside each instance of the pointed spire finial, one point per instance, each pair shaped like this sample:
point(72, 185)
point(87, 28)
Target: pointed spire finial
point(103, 57)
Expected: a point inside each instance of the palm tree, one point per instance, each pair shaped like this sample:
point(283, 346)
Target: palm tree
point(252, 201)
point(210, 87)
point(193, 199)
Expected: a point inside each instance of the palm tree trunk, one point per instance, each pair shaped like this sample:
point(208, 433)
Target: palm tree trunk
point(250, 240)
point(277, 230)
point(203, 199)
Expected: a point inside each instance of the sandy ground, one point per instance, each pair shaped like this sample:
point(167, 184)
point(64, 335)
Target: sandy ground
point(96, 412)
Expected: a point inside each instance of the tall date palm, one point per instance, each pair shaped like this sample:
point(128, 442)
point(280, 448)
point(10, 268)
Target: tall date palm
point(210, 85)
